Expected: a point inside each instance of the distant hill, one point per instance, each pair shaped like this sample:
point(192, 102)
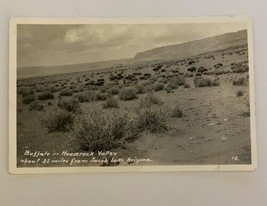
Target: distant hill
point(61, 69)
point(192, 48)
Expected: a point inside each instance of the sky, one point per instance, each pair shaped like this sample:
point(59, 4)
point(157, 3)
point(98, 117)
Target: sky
point(47, 45)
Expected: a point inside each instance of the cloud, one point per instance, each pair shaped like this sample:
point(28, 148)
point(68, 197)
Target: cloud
point(69, 44)
point(95, 34)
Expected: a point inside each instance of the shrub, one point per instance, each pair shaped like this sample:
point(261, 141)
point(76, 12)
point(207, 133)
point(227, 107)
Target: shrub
point(216, 82)
point(127, 94)
point(219, 72)
point(186, 85)
point(69, 105)
point(45, 95)
point(149, 100)
point(103, 89)
point(58, 120)
point(88, 96)
point(201, 82)
point(168, 88)
point(35, 106)
point(245, 114)
point(176, 112)
point(158, 87)
point(28, 99)
point(177, 81)
point(25, 91)
point(239, 82)
point(140, 89)
point(239, 93)
point(66, 93)
point(39, 89)
point(163, 80)
point(113, 91)
point(111, 103)
point(239, 70)
point(97, 131)
point(151, 119)
point(100, 96)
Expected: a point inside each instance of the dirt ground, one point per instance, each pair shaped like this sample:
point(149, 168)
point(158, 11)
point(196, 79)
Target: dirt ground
point(213, 129)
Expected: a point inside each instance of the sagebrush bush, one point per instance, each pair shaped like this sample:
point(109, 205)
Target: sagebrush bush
point(113, 91)
point(45, 95)
point(239, 93)
point(158, 87)
point(177, 81)
point(88, 96)
point(111, 103)
point(27, 99)
point(35, 105)
point(100, 96)
point(69, 105)
point(168, 88)
point(97, 130)
point(176, 112)
point(239, 82)
point(163, 80)
point(58, 120)
point(149, 100)
point(127, 94)
point(186, 85)
point(140, 89)
point(25, 91)
point(66, 93)
point(216, 82)
point(39, 89)
point(152, 119)
point(202, 82)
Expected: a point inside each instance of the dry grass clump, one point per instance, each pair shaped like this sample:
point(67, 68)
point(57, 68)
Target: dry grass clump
point(111, 102)
point(66, 93)
point(149, 100)
point(45, 95)
point(58, 120)
point(152, 119)
point(113, 91)
point(98, 130)
point(140, 89)
point(240, 82)
point(176, 112)
point(202, 82)
point(158, 86)
point(27, 99)
point(35, 105)
point(127, 94)
point(239, 93)
point(69, 105)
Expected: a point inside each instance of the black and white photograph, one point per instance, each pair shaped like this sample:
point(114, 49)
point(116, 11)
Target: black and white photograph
point(152, 94)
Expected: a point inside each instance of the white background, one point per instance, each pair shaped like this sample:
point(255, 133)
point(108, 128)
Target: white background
point(184, 188)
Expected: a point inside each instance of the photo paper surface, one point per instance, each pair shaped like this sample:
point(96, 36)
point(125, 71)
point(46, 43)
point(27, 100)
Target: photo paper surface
point(131, 95)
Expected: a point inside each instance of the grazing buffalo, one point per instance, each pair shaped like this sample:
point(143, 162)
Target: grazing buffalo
point(218, 66)
point(158, 67)
point(190, 62)
point(147, 74)
point(202, 69)
point(192, 69)
point(112, 78)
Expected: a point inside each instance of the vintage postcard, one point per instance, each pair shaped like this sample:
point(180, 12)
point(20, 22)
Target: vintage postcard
point(131, 95)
